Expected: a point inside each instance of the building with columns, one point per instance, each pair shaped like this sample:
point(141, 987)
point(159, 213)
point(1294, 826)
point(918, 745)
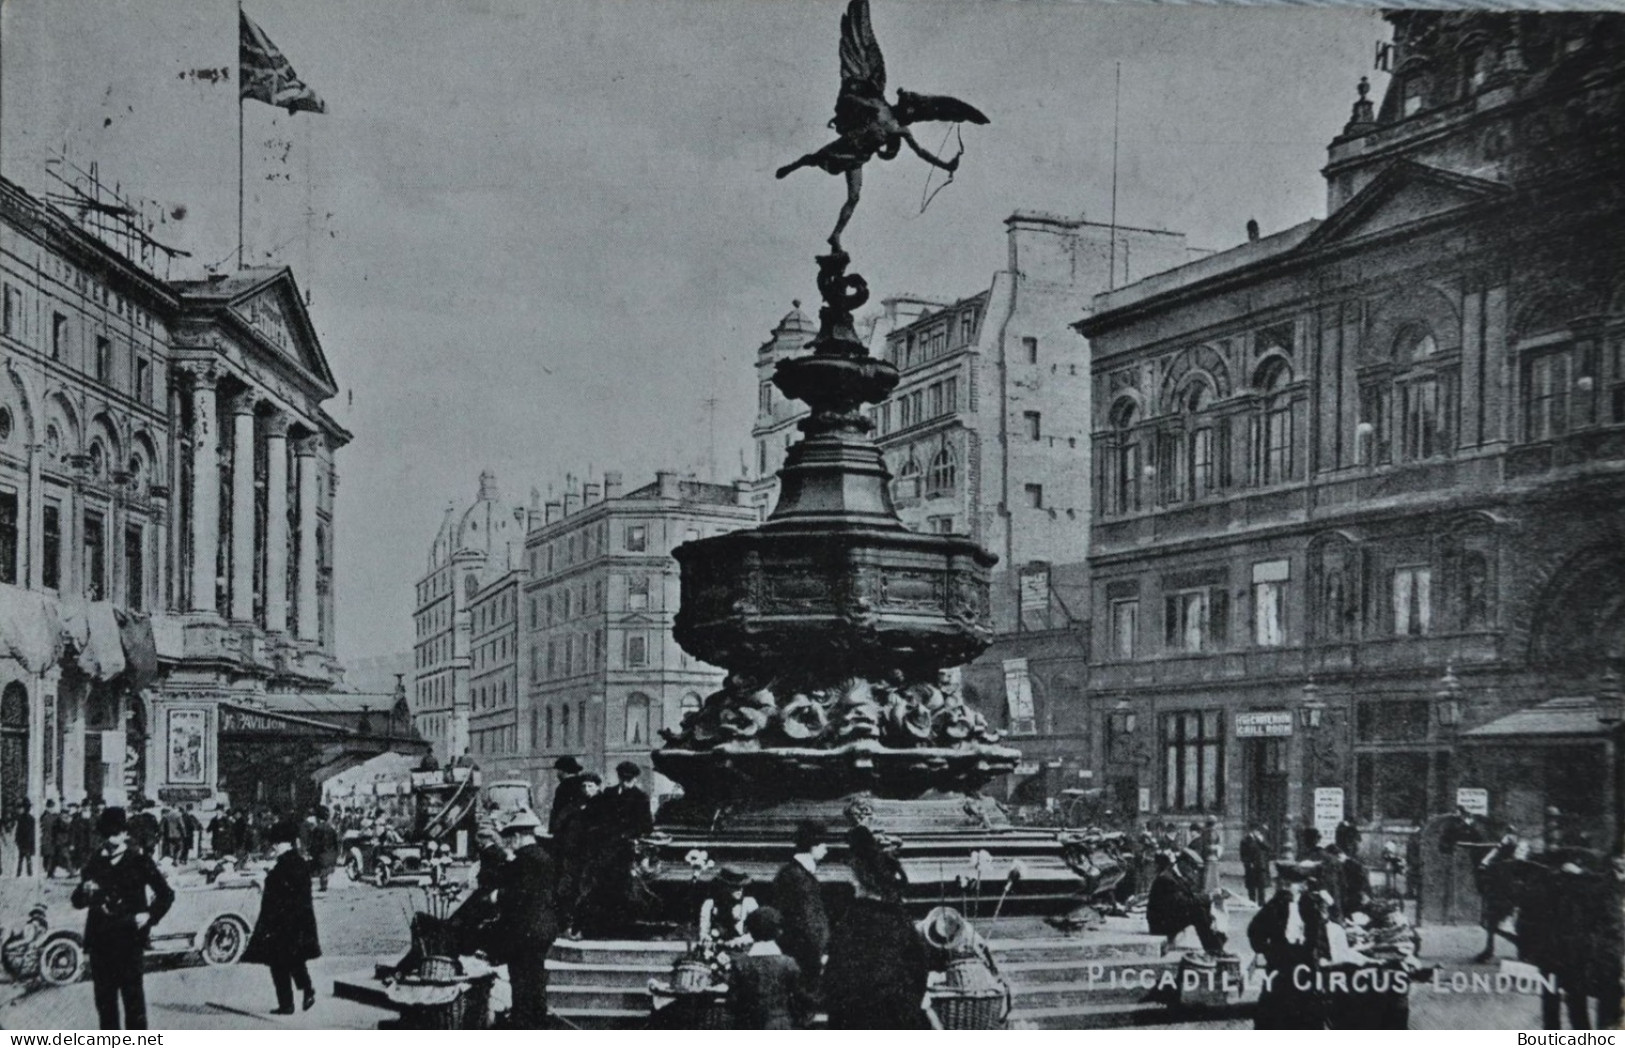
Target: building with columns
point(167, 491)
point(1360, 483)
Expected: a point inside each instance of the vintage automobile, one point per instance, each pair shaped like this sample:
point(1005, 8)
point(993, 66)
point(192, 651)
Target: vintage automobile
point(382, 862)
point(210, 922)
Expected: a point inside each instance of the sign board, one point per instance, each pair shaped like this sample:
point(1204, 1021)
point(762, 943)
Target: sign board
point(1258, 724)
point(1018, 694)
point(1474, 800)
point(1145, 798)
point(1328, 809)
point(1035, 598)
point(427, 778)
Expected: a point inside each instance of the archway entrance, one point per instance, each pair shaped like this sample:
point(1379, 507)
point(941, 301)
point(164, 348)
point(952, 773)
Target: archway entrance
point(13, 750)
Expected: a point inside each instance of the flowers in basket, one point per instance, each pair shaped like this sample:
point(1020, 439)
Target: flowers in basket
point(698, 862)
point(703, 966)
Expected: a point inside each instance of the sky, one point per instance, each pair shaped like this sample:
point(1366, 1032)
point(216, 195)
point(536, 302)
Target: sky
point(545, 238)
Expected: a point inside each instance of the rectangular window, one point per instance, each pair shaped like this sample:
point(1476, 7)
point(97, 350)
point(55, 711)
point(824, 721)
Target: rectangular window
point(1196, 620)
point(1125, 623)
point(1413, 601)
point(13, 321)
point(637, 649)
point(104, 359)
point(1547, 397)
point(95, 557)
point(916, 402)
point(967, 327)
point(1193, 753)
point(905, 412)
point(950, 393)
point(1376, 447)
point(885, 417)
point(552, 659)
point(1277, 443)
point(8, 537)
point(1033, 423)
point(1201, 462)
point(135, 571)
point(939, 525)
point(1035, 495)
point(637, 592)
point(637, 538)
point(1426, 417)
point(1269, 603)
point(1029, 349)
point(937, 407)
point(764, 398)
point(59, 335)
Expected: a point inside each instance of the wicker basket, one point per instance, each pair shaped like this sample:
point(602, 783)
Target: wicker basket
point(469, 1010)
point(439, 969)
point(981, 1010)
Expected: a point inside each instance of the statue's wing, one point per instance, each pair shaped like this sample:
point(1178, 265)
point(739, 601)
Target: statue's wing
point(912, 108)
point(863, 68)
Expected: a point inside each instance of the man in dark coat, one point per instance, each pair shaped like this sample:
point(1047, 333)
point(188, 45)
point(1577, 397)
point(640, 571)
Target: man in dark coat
point(528, 917)
point(619, 817)
point(1348, 837)
point(626, 814)
point(285, 936)
point(568, 795)
point(173, 829)
point(878, 965)
point(194, 830)
point(145, 830)
point(114, 887)
point(77, 847)
point(1175, 905)
point(50, 832)
point(1256, 855)
point(324, 847)
point(804, 932)
point(25, 835)
point(578, 840)
point(763, 983)
point(1289, 933)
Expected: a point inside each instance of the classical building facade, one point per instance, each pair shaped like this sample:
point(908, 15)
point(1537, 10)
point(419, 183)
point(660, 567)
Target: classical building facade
point(603, 675)
point(166, 502)
point(1360, 484)
point(473, 549)
point(494, 658)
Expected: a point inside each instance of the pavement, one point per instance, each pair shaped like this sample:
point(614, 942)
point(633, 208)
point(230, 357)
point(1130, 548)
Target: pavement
point(362, 925)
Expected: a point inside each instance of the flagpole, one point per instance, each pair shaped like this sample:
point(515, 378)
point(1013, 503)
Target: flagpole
point(239, 144)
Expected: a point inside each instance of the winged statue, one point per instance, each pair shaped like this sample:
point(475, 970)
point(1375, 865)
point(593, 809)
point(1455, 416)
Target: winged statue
point(868, 125)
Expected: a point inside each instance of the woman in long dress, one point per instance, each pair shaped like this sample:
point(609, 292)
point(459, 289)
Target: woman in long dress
point(876, 975)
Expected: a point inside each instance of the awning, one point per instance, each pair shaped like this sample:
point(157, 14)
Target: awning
point(1574, 717)
point(30, 628)
point(140, 652)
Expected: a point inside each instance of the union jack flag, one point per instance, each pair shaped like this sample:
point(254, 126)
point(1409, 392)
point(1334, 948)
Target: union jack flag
point(266, 76)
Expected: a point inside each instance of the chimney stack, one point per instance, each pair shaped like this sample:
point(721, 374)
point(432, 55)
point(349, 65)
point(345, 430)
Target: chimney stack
point(667, 484)
point(612, 485)
point(1252, 229)
point(572, 502)
point(554, 512)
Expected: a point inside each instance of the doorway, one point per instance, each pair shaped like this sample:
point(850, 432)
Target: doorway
point(13, 751)
point(1264, 771)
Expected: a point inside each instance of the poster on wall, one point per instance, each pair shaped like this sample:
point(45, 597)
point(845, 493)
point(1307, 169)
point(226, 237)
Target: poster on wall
point(186, 734)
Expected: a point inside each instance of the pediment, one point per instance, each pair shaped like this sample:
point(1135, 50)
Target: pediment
point(638, 619)
point(275, 312)
point(1403, 195)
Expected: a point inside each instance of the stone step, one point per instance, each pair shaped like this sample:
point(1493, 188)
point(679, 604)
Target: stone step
point(586, 997)
point(601, 1018)
point(617, 952)
point(1104, 969)
point(566, 973)
point(1110, 1016)
point(1073, 948)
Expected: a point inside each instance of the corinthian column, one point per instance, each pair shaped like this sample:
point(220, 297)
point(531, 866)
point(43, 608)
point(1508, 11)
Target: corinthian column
point(305, 452)
point(276, 523)
point(242, 507)
point(205, 491)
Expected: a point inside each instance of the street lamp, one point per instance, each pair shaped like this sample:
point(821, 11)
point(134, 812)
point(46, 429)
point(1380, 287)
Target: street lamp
point(1449, 696)
point(1123, 716)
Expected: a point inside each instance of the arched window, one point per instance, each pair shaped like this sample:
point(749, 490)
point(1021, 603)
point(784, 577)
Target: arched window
point(1424, 394)
point(1126, 457)
point(944, 473)
point(1475, 587)
point(1274, 431)
point(690, 704)
point(639, 710)
point(1199, 471)
point(907, 484)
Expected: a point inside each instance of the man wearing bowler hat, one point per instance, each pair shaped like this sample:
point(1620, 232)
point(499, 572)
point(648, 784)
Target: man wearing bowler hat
point(113, 887)
point(569, 795)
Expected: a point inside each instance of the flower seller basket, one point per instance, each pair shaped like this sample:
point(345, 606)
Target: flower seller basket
point(971, 1010)
point(690, 976)
point(457, 1003)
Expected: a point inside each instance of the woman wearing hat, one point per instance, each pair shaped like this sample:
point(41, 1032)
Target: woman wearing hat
point(285, 934)
point(724, 912)
point(1289, 936)
point(877, 970)
point(113, 887)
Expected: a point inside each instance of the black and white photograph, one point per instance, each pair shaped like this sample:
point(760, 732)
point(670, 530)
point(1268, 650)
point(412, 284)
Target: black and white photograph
point(619, 515)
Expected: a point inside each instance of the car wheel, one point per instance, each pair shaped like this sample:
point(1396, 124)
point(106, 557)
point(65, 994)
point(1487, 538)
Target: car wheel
point(380, 875)
point(61, 961)
point(352, 867)
point(224, 941)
